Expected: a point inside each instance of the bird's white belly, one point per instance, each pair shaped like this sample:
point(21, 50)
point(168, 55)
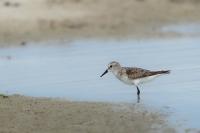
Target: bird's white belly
point(129, 81)
point(145, 79)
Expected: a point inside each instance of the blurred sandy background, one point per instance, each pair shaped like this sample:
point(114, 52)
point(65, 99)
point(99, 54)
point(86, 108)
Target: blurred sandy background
point(37, 20)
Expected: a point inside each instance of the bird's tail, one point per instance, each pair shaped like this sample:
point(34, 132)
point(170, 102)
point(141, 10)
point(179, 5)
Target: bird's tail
point(163, 72)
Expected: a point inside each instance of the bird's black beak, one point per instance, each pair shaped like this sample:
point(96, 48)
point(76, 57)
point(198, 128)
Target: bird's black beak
point(104, 73)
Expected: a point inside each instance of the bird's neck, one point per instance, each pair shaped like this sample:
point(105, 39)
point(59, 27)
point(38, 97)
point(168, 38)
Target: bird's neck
point(116, 71)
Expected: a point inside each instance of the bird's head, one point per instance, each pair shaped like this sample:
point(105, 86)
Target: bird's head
point(112, 66)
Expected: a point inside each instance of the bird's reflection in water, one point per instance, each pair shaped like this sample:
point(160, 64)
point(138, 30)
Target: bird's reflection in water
point(138, 98)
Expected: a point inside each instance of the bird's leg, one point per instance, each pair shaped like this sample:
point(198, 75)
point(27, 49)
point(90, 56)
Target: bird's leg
point(138, 91)
point(138, 94)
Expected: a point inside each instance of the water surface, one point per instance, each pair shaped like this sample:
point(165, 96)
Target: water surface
point(185, 29)
point(72, 72)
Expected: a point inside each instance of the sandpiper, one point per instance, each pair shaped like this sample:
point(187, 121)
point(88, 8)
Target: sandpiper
point(133, 75)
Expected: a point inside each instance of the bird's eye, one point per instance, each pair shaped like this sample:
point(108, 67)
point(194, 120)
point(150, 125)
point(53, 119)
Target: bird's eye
point(110, 66)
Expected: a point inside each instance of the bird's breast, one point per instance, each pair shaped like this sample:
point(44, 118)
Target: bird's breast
point(125, 79)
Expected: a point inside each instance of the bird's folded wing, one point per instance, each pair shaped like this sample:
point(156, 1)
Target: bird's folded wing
point(136, 73)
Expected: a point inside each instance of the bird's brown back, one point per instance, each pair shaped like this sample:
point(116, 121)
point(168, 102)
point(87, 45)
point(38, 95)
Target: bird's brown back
point(136, 73)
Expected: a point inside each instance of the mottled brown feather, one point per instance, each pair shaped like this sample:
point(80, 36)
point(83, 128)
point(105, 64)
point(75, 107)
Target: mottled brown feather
point(136, 73)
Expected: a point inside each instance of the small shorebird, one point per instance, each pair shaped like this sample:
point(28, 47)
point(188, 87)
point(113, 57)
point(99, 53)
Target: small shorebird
point(132, 75)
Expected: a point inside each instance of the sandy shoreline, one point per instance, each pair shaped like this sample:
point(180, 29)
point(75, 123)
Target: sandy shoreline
point(40, 20)
point(21, 114)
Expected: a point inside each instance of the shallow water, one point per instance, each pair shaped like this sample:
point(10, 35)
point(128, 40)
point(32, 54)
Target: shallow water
point(72, 71)
point(186, 29)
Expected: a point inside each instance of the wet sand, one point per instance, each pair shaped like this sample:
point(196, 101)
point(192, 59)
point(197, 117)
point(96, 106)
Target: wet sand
point(39, 20)
point(21, 114)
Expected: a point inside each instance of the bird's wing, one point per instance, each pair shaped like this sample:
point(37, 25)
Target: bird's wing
point(136, 73)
